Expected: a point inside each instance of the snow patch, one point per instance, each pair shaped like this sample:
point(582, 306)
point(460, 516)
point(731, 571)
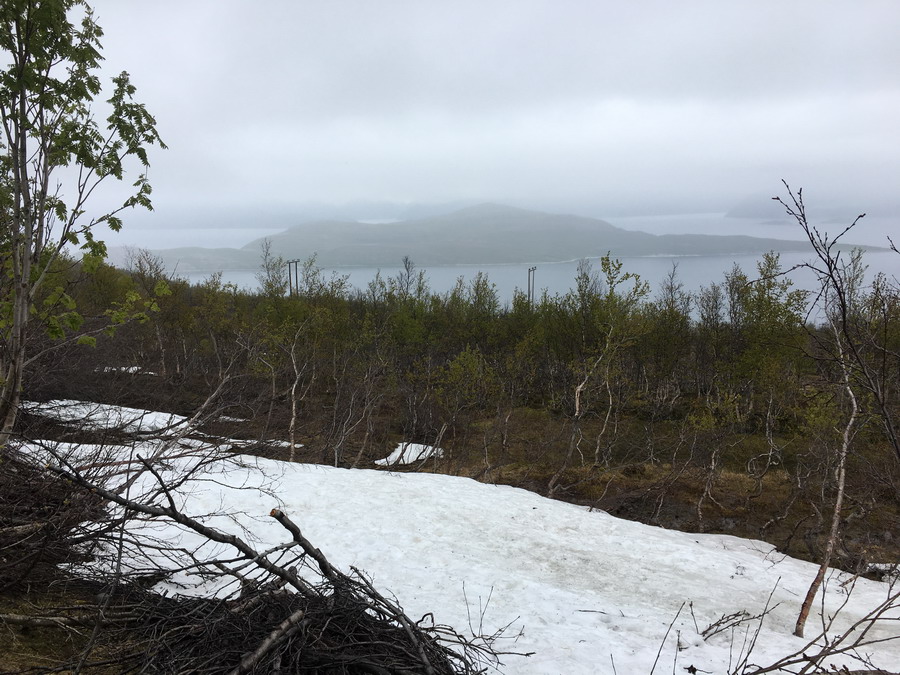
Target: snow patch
point(131, 370)
point(101, 416)
point(889, 572)
point(585, 591)
point(281, 444)
point(583, 588)
point(229, 418)
point(407, 453)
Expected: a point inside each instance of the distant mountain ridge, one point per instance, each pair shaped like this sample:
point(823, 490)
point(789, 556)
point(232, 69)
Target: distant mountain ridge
point(484, 234)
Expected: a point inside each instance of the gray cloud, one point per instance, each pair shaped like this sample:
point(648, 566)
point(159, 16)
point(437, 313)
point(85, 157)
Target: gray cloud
point(616, 105)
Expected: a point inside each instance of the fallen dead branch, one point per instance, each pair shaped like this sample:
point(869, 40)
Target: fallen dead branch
point(852, 643)
point(286, 610)
point(39, 515)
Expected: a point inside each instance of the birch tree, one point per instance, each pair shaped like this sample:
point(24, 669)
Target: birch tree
point(857, 348)
point(54, 155)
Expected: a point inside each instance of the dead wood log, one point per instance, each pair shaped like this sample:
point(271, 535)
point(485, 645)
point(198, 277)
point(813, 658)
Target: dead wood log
point(285, 629)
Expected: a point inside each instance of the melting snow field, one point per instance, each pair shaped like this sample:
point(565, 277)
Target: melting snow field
point(97, 416)
point(584, 591)
point(407, 453)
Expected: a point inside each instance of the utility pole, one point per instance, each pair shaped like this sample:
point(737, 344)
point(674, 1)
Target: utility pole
point(531, 271)
point(293, 281)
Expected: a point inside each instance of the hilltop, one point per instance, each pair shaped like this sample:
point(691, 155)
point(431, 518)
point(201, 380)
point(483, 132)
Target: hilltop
point(483, 234)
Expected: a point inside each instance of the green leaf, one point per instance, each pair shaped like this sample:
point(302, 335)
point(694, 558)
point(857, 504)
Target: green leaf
point(162, 290)
point(72, 320)
point(54, 329)
point(90, 263)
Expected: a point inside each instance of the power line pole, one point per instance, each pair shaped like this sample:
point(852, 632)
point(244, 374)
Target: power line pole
point(293, 281)
point(531, 271)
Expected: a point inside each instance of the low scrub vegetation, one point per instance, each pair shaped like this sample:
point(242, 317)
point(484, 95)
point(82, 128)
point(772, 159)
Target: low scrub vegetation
point(746, 407)
point(719, 410)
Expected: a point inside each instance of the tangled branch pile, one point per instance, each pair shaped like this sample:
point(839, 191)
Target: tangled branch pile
point(40, 515)
point(284, 610)
point(341, 626)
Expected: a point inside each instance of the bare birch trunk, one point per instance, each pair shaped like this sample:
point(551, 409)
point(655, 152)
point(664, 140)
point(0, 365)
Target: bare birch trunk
point(839, 498)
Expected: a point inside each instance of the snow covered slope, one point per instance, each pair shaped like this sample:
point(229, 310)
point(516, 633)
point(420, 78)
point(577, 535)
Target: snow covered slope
point(584, 591)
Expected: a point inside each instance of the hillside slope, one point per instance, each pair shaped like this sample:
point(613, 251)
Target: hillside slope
point(484, 234)
point(581, 590)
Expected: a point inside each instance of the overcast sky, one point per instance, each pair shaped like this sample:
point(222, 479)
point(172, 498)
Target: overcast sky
point(586, 105)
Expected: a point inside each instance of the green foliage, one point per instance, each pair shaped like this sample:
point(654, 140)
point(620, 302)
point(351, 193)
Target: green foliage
point(48, 90)
point(729, 359)
point(721, 385)
point(466, 382)
point(129, 309)
point(273, 275)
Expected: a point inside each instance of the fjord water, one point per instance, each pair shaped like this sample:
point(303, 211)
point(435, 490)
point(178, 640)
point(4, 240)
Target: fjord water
point(558, 277)
point(692, 271)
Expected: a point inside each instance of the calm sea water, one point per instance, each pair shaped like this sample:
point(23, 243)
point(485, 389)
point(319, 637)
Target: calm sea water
point(693, 271)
